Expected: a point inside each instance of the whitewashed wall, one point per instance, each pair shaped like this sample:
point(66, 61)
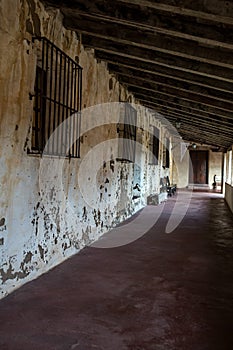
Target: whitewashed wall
point(41, 221)
point(228, 178)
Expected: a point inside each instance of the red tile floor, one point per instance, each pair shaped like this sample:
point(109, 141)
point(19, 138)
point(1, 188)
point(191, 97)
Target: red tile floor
point(161, 292)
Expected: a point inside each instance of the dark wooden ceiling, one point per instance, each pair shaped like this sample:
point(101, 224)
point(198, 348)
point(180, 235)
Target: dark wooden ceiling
point(175, 56)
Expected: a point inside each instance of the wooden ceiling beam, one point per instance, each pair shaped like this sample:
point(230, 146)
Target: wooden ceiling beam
point(137, 91)
point(170, 82)
point(203, 139)
point(153, 68)
point(205, 136)
point(213, 139)
point(196, 134)
point(161, 58)
point(157, 42)
point(177, 93)
point(203, 27)
point(216, 11)
point(203, 125)
point(165, 110)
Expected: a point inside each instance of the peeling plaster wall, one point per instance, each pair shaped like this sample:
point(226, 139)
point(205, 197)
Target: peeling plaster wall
point(44, 221)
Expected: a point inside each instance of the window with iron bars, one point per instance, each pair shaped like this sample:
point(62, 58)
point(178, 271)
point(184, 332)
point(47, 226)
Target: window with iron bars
point(57, 102)
point(127, 130)
point(154, 146)
point(166, 153)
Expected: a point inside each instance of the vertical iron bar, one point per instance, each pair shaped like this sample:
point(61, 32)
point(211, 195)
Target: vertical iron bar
point(78, 140)
point(54, 103)
point(42, 122)
point(45, 98)
point(80, 89)
point(79, 108)
point(67, 123)
point(71, 110)
point(50, 71)
point(59, 135)
point(36, 111)
point(63, 102)
point(75, 111)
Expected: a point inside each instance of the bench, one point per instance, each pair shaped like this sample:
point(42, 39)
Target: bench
point(168, 187)
point(171, 188)
point(165, 190)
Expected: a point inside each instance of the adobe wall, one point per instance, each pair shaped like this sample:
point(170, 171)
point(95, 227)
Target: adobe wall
point(50, 208)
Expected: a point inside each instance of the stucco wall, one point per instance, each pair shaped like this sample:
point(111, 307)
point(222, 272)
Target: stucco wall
point(229, 195)
point(50, 208)
point(215, 166)
point(228, 178)
point(180, 164)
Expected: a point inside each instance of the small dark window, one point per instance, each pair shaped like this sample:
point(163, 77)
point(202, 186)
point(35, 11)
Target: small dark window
point(154, 145)
point(57, 97)
point(127, 130)
point(166, 153)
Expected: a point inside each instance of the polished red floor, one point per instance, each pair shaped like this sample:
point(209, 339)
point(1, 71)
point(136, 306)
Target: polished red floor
point(162, 292)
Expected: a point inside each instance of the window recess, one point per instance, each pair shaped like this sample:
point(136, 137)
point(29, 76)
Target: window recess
point(154, 146)
point(57, 102)
point(166, 153)
point(127, 130)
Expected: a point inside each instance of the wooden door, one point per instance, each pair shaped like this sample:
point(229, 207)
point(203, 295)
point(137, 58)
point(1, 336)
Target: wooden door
point(198, 171)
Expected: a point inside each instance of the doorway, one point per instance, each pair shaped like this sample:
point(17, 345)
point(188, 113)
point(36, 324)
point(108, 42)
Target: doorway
point(198, 169)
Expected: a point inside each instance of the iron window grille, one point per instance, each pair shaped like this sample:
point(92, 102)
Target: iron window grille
point(127, 130)
point(57, 102)
point(154, 146)
point(166, 153)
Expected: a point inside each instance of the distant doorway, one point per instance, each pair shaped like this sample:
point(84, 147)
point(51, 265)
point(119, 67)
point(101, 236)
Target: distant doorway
point(198, 170)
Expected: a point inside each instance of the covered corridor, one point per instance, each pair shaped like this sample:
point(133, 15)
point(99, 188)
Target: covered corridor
point(111, 114)
point(160, 292)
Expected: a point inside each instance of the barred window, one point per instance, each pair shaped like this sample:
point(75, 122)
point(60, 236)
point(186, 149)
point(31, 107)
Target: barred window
point(154, 146)
point(57, 102)
point(166, 153)
point(127, 129)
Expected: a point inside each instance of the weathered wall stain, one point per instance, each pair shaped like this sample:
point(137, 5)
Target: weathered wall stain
point(42, 226)
point(84, 214)
point(2, 221)
point(97, 217)
point(41, 250)
point(9, 274)
point(35, 18)
point(22, 273)
point(112, 162)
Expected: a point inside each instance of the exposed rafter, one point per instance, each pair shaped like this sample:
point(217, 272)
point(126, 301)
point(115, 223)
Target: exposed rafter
point(200, 26)
point(181, 112)
point(190, 65)
point(182, 102)
point(154, 68)
point(155, 41)
point(175, 57)
point(221, 108)
point(171, 82)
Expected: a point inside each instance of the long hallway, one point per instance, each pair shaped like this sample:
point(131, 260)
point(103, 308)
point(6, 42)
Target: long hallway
point(161, 292)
